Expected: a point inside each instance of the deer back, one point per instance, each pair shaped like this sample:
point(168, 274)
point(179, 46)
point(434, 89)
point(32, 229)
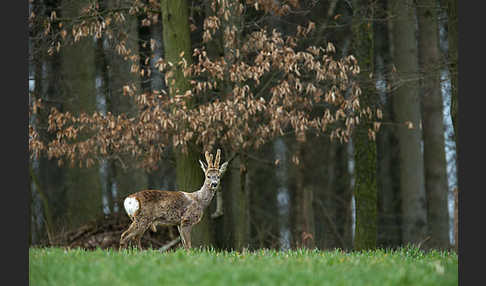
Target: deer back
point(165, 206)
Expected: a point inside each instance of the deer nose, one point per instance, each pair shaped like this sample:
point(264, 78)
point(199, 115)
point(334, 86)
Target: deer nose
point(214, 184)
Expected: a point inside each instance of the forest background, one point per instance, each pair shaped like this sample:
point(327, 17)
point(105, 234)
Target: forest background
point(338, 118)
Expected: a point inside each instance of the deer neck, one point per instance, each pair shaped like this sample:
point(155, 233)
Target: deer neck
point(205, 195)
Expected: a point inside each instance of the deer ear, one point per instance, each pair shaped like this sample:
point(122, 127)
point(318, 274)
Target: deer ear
point(223, 168)
point(203, 167)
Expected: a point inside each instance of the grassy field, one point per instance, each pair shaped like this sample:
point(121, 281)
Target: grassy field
point(408, 266)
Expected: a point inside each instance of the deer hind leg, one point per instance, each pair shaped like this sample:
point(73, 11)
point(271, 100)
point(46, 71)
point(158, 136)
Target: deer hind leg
point(123, 237)
point(136, 230)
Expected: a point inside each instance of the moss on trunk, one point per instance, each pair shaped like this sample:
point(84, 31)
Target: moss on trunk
point(365, 190)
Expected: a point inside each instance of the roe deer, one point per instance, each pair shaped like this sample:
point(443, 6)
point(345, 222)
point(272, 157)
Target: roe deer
point(150, 208)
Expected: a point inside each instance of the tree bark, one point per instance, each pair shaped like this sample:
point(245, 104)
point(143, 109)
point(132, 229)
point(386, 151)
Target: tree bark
point(407, 109)
point(453, 38)
point(388, 176)
point(177, 42)
point(436, 186)
point(237, 205)
point(365, 190)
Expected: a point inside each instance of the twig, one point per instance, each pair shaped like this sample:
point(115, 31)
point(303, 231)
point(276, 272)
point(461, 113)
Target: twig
point(169, 244)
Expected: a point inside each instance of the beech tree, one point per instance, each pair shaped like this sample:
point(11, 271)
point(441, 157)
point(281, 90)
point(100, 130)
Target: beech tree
point(406, 105)
point(262, 86)
point(436, 185)
point(366, 191)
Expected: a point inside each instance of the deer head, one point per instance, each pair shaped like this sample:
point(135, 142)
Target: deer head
point(212, 171)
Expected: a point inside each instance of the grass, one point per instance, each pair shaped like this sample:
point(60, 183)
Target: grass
point(407, 266)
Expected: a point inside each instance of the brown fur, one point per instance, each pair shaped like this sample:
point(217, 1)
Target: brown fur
point(168, 208)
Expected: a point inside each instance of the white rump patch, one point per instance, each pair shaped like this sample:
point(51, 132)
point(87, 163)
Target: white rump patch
point(131, 206)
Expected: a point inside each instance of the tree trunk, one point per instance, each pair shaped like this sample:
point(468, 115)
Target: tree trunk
point(303, 228)
point(436, 186)
point(453, 34)
point(453, 39)
point(365, 190)
point(407, 109)
point(236, 205)
point(280, 147)
point(176, 37)
point(264, 211)
point(456, 219)
point(388, 178)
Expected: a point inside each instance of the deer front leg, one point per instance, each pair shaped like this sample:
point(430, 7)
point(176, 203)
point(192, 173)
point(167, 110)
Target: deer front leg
point(138, 239)
point(185, 232)
point(191, 217)
point(182, 236)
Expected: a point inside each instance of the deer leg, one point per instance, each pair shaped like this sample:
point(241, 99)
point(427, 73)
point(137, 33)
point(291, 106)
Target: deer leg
point(182, 236)
point(136, 230)
point(185, 232)
point(138, 239)
point(126, 232)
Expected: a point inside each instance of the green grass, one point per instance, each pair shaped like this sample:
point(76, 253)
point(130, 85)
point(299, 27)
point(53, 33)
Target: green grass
point(407, 266)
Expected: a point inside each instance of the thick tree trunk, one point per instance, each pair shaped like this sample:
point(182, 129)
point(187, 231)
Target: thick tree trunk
point(237, 197)
point(177, 41)
point(388, 178)
point(436, 186)
point(365, 190)
point(407, 109)
point(280, 147)
point(236, 205)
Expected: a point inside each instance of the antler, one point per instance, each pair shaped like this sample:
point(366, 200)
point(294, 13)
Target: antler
point(209, 158)
point(218, 158)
